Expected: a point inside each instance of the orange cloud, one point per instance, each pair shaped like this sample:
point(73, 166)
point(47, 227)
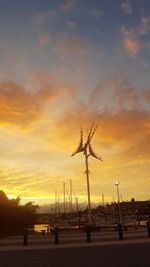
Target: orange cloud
point(131, 46)
point(131, 43)
point(43, 154)
point(118, 127)
point(147, 95)
point(139, 149)
point(21, 106)
point(131, 37)
point(122, 123)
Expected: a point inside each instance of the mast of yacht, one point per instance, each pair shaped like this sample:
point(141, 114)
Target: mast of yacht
point(64, 189)
point(103, 200)
point(55, 205)
point(71, 208)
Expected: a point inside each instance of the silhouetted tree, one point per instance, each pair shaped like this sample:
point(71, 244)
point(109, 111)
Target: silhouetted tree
point(14, 216)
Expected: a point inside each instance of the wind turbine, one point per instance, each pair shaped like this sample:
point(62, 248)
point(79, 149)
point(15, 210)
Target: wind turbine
point(87, 151)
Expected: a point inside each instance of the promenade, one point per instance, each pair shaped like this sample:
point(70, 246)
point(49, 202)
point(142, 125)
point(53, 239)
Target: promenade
point(69, 238)
point(105, 250)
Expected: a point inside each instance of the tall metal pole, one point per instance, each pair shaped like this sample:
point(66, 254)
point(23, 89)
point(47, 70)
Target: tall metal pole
point(119, 207)
point(77, 205)
point(55, 202)
point(58, 204)
point(64, 197)
point(88, 188)
point(70, 195)
point(103, 200)
point(113, 210)
point(55, 205)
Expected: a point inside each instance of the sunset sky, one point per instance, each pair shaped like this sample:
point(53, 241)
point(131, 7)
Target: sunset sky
point(63, 63)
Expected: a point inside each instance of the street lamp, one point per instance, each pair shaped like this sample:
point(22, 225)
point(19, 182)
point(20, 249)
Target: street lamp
point(118, 194)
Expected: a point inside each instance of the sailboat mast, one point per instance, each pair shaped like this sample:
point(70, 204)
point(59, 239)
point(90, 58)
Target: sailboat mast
point(55, 202)
point(103, 201)
point(64, 188)
point(70, 195)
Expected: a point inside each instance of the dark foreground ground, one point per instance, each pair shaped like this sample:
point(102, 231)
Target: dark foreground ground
point(125, 255)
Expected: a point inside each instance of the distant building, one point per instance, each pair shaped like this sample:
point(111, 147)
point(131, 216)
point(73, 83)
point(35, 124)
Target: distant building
point(127, 208)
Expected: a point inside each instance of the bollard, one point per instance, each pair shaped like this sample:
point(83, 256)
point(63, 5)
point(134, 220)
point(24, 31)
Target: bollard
point(148, 227)
point(56, 235)
point(88, 233)
point(25, 237)
point(120, 231)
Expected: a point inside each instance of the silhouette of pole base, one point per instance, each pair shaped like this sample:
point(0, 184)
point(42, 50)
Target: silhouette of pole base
point(88, 234)
point(120, 231)
point(25, 237)
point(56, 235)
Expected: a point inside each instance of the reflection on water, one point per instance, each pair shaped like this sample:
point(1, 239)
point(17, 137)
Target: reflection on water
point(143, 222)
point(40, 227)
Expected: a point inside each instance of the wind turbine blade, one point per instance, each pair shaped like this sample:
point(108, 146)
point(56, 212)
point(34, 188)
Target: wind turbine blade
point(92, 134)
point(92, 153)
point(80, 148)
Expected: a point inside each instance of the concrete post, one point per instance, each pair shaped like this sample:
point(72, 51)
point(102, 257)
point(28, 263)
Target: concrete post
point(120, 231)
point(88, 233)
point(25, 237)
point(56, 235)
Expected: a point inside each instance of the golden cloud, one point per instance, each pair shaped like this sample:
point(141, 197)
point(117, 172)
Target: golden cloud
point(43, 154)
point(121, 127)
point(122, 123)
point(21, 106)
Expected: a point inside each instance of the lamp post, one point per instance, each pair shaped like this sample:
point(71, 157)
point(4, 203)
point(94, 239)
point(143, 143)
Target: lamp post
point(118, 195)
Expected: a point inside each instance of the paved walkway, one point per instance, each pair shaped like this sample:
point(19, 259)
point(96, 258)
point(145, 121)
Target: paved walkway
point(118, 254)
point(73, 240)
